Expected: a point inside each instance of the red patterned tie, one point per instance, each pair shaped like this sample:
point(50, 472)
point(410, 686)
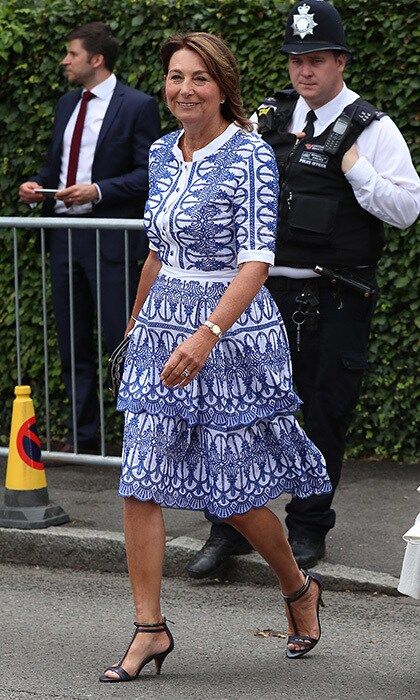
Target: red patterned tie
point(76, 139)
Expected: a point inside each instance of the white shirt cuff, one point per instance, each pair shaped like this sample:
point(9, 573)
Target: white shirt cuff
point(265, 256)
point(361, 174)
point(99, 198)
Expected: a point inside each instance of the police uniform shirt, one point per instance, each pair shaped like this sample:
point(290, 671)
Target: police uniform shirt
point(383, 179)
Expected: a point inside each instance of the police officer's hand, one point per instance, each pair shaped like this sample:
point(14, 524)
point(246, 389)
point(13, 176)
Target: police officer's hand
point(350, 158)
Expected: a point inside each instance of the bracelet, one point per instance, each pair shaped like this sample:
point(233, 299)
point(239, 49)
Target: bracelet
point(133, 318)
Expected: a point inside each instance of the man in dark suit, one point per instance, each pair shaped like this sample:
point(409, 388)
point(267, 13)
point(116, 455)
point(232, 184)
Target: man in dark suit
point(98, 162)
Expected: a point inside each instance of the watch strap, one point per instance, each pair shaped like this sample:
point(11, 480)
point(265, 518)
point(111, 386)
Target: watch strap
point(215, 329)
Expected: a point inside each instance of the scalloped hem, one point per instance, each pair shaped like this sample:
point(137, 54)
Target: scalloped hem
point(190, 502)
point(286, 406)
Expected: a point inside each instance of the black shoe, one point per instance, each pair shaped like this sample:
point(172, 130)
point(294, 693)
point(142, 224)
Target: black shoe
point(120, 674)
point(304, 641)
point(307, 550)
point(211, 558)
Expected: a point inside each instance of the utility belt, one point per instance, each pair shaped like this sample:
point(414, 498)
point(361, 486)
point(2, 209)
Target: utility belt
point(359, 280)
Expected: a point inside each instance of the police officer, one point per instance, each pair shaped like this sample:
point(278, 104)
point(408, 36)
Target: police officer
point(344, 170)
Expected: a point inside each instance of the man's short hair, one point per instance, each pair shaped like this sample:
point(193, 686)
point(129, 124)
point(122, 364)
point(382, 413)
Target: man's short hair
point(96, 37)
point(338, 53)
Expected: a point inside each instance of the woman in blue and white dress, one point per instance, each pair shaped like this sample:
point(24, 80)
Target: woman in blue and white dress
point(207, 386)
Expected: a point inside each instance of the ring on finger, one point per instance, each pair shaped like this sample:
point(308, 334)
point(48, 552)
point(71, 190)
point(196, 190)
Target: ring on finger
point(186, 373)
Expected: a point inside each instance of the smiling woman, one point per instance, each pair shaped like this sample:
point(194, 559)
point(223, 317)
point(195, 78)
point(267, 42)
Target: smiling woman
point(201, 88)
point(195, 99)
point(207, 388)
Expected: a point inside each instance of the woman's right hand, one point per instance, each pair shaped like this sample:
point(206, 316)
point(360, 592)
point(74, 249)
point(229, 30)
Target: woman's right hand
point(129, 327)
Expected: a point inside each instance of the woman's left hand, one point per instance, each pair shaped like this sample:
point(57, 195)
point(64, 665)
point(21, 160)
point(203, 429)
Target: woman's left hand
point(186, 361)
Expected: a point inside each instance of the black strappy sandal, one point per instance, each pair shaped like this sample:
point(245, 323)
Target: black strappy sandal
point(158, 658)
point(303, 639)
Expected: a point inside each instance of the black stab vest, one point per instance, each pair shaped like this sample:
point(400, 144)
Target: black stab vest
point(320, 220)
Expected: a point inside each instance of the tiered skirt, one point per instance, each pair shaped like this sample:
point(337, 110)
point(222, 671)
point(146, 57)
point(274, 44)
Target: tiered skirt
point(228, 441)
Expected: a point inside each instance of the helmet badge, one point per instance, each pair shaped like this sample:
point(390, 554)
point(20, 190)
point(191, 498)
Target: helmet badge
point(303, 23)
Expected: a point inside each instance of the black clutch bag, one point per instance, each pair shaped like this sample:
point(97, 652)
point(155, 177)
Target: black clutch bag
point(116, 365)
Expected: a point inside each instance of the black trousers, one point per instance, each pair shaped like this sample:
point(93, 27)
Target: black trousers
point(328, 369)
point(113, 316)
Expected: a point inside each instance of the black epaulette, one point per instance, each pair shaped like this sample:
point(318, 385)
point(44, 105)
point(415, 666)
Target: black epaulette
point(363, 112)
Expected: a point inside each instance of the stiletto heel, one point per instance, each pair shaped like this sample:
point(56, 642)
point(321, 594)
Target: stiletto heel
point(303, 639)
point(158, 658)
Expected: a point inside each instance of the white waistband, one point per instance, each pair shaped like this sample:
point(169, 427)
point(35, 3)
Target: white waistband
point(202, 276)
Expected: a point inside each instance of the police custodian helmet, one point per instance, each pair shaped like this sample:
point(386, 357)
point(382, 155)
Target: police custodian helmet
point(314, 25)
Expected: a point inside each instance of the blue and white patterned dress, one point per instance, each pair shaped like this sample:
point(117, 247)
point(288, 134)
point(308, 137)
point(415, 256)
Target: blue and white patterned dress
point(228, 441)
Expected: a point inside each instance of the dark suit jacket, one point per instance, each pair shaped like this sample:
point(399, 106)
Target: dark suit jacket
point(120, 164)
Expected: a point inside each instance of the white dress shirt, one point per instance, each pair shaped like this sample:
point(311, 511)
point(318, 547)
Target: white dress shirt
point(94, 117)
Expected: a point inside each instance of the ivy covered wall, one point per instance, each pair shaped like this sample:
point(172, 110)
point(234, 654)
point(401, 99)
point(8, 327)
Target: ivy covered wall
point(384, 70)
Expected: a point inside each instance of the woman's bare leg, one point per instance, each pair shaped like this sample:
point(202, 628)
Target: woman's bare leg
point(264, 531)
point(144, 531)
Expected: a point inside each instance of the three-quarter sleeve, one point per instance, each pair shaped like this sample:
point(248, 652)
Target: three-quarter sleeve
point(149, 223)
point(256, 203)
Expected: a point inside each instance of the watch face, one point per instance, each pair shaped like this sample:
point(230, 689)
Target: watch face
point(216, 329)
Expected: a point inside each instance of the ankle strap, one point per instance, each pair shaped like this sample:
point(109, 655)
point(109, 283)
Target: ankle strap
point(298, 594)
point(152, 626)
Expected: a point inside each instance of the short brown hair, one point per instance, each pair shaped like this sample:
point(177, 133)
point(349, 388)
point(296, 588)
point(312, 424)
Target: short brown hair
point(96, 37)
point(221, 65)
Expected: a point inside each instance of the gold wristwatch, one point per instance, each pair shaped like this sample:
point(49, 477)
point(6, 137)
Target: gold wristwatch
point(215, 329)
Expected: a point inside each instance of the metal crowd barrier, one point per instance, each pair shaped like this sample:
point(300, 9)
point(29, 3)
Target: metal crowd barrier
point(42, 223)
point(12, 225)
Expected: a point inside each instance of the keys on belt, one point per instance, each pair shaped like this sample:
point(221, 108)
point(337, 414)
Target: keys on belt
point(307, 312)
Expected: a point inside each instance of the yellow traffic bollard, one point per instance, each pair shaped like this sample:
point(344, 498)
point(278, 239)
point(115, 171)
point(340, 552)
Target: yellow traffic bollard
point(26, 502)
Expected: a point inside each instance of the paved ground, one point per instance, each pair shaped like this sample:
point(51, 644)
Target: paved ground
point(375, 503)
point(60, 629)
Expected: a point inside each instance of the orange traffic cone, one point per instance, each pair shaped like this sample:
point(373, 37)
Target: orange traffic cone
point(26, 503)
